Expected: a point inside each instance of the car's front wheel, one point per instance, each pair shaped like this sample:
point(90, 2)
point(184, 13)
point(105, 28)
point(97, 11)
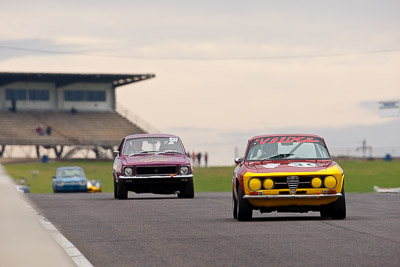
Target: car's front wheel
point(122, 192)
point(187, 190)
point(234, 205)
point(115, 189)
point(337, 209)
point(244, 209)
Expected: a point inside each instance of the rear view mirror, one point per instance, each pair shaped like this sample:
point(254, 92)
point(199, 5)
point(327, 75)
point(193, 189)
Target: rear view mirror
point(116, 153)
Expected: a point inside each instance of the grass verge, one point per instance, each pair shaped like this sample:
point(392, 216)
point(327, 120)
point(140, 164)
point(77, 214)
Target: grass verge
point(360, 176)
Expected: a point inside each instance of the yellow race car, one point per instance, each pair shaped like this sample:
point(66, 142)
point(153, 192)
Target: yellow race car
point(94, 186)
point(287, 173)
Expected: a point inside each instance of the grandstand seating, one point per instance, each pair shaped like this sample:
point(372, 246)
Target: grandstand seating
point(105, 129)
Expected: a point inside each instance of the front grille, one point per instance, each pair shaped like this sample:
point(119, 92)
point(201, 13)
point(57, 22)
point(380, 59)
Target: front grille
point(282, 183)
point(156, 170)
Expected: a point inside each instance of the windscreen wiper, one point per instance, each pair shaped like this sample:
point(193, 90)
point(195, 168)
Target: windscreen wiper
point(169, 152)
point(280, 156)
point(141, 152)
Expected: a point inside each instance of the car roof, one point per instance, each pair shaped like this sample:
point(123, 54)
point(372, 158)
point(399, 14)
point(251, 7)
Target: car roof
point(69, 168)
point(270, 135)
point(149, 135)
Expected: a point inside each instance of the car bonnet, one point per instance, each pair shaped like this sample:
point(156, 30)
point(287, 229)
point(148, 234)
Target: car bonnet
point(290, 166)
point(154, 159)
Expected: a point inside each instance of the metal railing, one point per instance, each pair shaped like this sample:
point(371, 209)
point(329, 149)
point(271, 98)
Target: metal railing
point(129, 115)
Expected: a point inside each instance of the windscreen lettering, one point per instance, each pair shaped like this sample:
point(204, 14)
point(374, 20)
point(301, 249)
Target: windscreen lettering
point(286, 139)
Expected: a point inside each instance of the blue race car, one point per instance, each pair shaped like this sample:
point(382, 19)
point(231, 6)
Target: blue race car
point(69, 179)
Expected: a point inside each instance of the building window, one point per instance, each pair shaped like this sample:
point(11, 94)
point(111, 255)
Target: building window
point(41, 95)
point(74, 95)
point(16, 94)
point(95, 96)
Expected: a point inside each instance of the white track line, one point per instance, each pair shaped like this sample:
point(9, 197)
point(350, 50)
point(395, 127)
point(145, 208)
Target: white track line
point(69, 248)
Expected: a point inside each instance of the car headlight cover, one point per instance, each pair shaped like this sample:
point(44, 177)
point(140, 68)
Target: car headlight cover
point(254, 184)
point(316, 182)
point(330, 182)
point(128, 171)
point(60, 183)
point(268, 183)
point(82, 182)
point(184, 170)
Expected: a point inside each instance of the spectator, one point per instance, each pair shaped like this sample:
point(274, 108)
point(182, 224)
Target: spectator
point(199, 159)
point(39, 129)
point(206, 159)
point(194, 158)
point(13, 105)
point(48, 130)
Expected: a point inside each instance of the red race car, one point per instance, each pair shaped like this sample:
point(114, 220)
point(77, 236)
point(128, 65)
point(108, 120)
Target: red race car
point(287, 173)
point(152, 163)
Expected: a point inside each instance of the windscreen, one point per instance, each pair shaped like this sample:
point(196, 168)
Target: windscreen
point(67, 173)
point(146, 145)
point(287, 147)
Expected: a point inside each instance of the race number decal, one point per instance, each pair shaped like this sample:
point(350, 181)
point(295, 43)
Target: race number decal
point(173, 139)
point(271, 165)
point(303, 164)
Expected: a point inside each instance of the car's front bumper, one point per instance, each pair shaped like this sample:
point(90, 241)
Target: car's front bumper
point(166, 177)
point(71, 188)
point(291, 196)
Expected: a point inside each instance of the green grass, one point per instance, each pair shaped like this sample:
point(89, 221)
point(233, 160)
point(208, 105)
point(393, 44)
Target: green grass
point(42, 182)
point(360, 176)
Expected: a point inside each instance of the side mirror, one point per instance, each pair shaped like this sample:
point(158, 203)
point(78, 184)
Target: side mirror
point(116, 153)
point(238, 160)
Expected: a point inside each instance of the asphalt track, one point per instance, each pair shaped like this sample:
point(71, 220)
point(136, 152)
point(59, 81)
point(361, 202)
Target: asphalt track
point(156, 230)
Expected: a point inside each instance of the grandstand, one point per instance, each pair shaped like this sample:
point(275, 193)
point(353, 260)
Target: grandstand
point(73, 112)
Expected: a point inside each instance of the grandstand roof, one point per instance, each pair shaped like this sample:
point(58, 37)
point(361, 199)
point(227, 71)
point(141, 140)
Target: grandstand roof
point(62, 79)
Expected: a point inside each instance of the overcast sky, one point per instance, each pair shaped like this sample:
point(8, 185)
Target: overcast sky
point(225, 70)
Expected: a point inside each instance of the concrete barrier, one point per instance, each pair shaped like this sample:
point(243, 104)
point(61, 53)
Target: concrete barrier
point(23, 239)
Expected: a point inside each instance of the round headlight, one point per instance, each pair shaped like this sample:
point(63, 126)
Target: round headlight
point(254, 184)
point(330, 182)
point(60, 183)
point(316, 182)
point(128, 171)
point(82, 183)
point(268, 184)
point(184, 170)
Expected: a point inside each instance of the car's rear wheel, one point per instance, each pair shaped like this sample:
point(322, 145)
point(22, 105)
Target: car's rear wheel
point(244, 209)
point(187, 190)
point(234, 205)
point(337, 209)
point(122, 192)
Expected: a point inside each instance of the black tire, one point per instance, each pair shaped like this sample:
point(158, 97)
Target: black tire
point(122, 192)
point(337, 209)
point(187, 190)
point(244, 209)
point(115, 189)
point(234, 205)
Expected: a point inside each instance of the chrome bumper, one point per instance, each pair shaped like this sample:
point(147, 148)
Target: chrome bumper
point(157, 177)
point(291, 196)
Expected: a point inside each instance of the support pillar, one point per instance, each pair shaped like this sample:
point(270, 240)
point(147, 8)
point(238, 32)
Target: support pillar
point(2, 148)
point(38, 151)
point(59, 151)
